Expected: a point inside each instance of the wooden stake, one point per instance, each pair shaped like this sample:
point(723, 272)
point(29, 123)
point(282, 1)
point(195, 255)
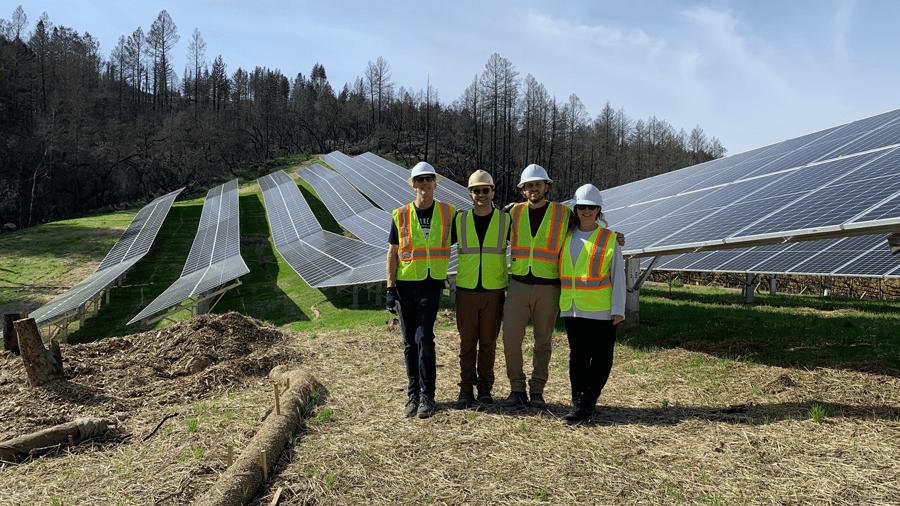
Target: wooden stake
point(277, 496)
point(277, 401)
point(262, 462)
point(230, 454)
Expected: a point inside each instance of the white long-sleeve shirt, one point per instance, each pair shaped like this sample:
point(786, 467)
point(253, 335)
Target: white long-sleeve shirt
point(616, 272)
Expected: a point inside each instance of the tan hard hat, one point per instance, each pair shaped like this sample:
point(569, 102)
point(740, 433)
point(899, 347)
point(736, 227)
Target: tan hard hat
point(480, 178)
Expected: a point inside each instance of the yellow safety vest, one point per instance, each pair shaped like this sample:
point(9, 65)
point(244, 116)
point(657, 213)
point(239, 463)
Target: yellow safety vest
point(541, 253)
point(588, 283)
point(489, 259)
point(417, 255)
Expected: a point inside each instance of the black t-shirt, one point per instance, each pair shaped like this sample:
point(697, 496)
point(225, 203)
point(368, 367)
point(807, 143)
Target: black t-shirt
point(429, 283)
point(481, 227)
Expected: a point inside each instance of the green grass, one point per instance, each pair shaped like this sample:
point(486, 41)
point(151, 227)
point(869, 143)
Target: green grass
point(782, 330)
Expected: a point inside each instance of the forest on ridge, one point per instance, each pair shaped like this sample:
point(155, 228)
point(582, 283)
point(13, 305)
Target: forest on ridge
point(82, 131)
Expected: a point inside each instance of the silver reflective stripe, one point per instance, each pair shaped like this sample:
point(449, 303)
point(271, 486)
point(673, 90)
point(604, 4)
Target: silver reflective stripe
point(555, 225)
point(464, 248)
point(592, 283)
point(501, 237)
point(597, 265)
point(544, 255)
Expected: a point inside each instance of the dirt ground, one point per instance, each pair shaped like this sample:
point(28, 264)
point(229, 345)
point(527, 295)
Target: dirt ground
point(674, 426)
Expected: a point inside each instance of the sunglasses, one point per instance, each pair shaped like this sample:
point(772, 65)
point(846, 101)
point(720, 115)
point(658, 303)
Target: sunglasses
point(481, 191)
point(423, 179)
point(580, 207)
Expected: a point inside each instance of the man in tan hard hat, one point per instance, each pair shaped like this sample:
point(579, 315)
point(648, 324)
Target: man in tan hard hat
point(481, 279)
point(417, 261)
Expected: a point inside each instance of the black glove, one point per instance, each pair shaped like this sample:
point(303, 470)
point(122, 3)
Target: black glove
point(393, 299)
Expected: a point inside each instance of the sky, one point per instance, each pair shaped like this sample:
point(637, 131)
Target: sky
point(749, 72)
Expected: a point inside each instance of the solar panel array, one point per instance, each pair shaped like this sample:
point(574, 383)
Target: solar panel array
point(134, 243)
point(321, 258)
point(215, 256)
point(838, 182)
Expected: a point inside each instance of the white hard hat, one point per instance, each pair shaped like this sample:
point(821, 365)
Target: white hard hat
point(423, 169)
point(480, 178)
point(534, 172)
point(587, 195)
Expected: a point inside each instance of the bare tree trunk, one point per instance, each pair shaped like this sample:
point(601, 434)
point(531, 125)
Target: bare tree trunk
point(41, 365)
point(79, 430)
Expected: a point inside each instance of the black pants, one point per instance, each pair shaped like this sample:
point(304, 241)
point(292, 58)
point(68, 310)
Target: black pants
point(418, 311)
point(591, 344)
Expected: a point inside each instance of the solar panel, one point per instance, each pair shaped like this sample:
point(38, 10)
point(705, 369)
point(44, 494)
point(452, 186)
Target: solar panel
point(385, 182)
point(338, 196)
point(215, 257)
point(321, 258)
point(347, 205)
point(134, 243)
point(858, 256)
point(447, 190)
point(837, 182)
point(386, 190)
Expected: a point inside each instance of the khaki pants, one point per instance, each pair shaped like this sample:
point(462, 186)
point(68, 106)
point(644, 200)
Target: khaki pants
point(478, 318)
point(540, 304)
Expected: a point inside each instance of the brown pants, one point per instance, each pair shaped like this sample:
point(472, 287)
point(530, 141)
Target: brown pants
point(540, 303)
point(478, 317)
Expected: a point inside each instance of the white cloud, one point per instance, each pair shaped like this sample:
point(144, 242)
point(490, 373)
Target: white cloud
point(841, 23)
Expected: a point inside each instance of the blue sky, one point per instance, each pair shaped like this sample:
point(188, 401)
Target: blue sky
point(749, 72)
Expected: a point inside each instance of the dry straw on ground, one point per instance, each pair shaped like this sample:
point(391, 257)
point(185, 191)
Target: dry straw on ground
point(675, 427)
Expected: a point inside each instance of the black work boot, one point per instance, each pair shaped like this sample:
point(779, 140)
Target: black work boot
point(537, 400)
point(516, 400)
point(582, 411)
point(464, 401)
point(484, 396)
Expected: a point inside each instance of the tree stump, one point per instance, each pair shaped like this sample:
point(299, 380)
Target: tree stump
point(10, 342)
point(41, 365)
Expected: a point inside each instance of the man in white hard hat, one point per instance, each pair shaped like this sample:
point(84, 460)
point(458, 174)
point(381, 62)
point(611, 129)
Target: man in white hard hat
point(417, 261)
point(537, 230)
point(481, 279)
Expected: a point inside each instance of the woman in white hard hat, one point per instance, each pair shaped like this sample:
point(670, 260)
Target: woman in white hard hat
point(592, 300)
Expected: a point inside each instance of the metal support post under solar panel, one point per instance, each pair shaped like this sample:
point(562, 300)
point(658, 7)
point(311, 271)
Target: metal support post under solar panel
point(773, 284)
point(632, 295)
point(196, 307)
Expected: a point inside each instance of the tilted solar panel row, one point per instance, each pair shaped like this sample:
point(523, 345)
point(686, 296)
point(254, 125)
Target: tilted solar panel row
point(214, 258)
point(134, 243)
point(323, 259)
point(858, 256)
point(348, 206)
